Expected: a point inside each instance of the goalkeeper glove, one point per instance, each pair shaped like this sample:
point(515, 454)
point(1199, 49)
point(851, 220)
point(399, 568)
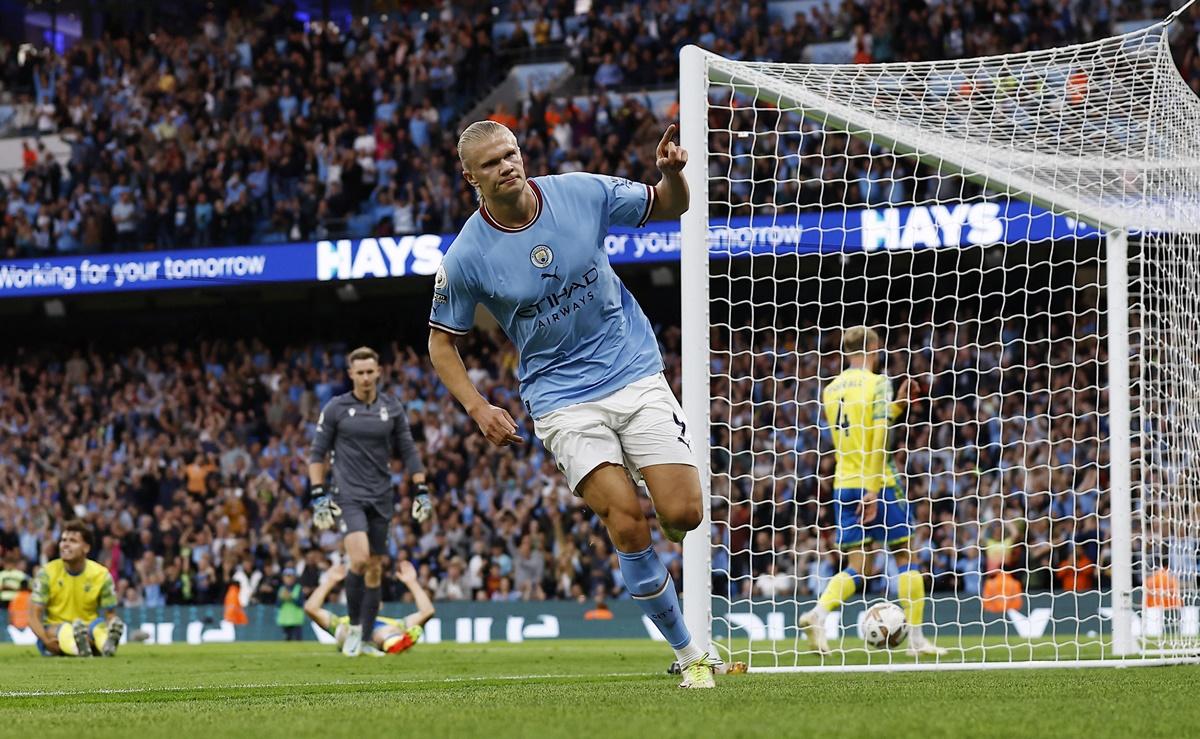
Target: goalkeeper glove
point(324, 509)
point(422, 507)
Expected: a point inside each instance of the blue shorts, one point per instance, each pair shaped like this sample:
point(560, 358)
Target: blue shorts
point(891, 524)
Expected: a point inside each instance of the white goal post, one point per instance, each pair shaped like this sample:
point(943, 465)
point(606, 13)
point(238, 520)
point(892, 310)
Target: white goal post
point(1024, 233)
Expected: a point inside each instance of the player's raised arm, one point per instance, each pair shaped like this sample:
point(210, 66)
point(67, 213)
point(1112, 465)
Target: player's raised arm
point(671, 193)
point(494, 422)
point(407, 574)
point(314, 606)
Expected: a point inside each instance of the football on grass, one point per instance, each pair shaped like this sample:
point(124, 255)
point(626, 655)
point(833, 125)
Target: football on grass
point(884, 626)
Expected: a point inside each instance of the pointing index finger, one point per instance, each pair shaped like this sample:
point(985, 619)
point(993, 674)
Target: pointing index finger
point(666, 139)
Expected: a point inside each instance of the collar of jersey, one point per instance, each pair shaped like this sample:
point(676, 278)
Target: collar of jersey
point(537, 213)
point(354, 397)
point(67, 569)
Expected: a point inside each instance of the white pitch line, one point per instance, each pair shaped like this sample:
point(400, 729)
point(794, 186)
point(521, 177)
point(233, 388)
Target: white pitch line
point(264, 686)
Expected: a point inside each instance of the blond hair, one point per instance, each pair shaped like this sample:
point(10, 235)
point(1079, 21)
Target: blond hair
point(860, 340)
point(481, 131)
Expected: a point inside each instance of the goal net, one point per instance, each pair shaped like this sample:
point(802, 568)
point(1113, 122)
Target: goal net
point(1022, 233)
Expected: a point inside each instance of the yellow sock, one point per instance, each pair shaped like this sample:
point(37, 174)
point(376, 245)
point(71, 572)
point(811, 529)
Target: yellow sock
point(838, 591)
point(100, 634)
point(912, 596)
point(66, 640)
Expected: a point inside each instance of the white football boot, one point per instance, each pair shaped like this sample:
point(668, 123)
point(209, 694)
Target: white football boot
point(352, 647)
point(699, 674)
point(813, 624)
point(919, 646)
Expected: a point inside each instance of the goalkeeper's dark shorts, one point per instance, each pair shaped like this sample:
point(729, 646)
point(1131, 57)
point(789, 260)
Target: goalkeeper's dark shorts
point(372, 517)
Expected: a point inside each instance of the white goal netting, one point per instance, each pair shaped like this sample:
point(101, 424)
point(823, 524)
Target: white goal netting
point(1022, 232)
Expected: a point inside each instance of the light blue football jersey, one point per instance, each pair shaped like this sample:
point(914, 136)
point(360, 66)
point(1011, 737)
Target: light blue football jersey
point(580, 334)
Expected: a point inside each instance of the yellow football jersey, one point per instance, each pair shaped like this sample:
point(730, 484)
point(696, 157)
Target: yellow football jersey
point(67, 597)
point(859, 408)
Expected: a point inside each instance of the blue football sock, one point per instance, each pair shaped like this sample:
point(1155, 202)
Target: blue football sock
point(654, 590)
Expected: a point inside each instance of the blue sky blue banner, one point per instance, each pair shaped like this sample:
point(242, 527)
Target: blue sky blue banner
point(831, 231)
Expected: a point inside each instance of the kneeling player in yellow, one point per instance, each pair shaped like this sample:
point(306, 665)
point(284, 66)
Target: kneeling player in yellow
point(388, 635)
point(870, 504)
point(69, 594)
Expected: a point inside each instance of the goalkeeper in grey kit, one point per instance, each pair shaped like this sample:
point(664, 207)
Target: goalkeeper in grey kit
point(364, 431)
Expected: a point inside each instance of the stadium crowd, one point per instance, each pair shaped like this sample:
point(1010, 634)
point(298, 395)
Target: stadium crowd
point(259, 130)
point(189, 460)
point(1001, 457)
point(190, 464)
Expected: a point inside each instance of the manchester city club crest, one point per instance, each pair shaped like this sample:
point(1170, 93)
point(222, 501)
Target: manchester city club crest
point(541, 256)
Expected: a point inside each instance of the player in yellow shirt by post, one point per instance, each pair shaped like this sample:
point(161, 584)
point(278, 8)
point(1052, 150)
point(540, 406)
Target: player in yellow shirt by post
point(870, 506)
point(68, 597)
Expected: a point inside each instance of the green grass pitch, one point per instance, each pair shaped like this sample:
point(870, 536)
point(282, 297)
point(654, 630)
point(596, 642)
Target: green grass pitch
point(563, 688)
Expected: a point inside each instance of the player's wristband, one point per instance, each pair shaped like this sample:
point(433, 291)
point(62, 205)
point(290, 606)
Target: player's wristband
point(422, 488)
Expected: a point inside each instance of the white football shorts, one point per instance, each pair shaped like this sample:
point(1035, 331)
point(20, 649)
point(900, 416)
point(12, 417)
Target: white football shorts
point(638, 426)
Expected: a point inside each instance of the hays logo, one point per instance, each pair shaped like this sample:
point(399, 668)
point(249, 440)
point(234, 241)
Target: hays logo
point(932, 226)
point(356, 259)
